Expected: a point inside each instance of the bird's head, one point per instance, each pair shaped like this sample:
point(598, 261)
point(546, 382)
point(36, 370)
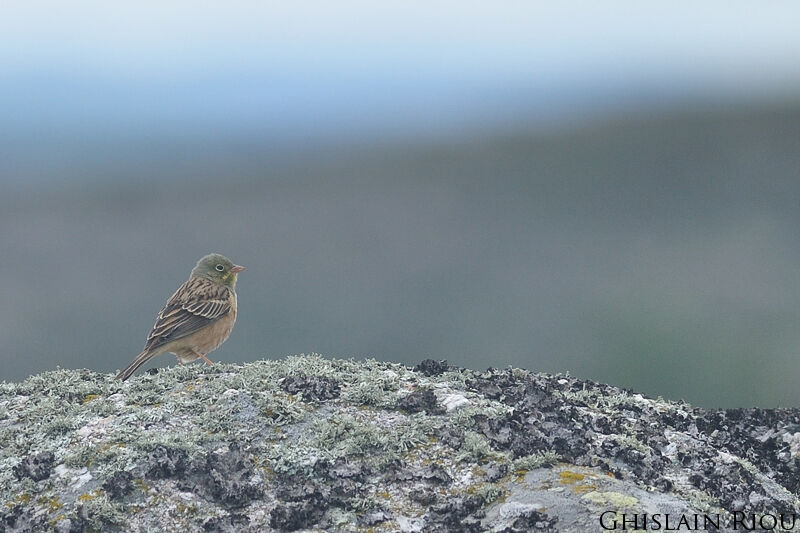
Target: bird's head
point(217, 268)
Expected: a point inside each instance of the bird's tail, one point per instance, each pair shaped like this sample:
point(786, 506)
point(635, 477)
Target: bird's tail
point(138, 361)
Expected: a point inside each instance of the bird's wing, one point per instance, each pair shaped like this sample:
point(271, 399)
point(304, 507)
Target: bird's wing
point(196, 303)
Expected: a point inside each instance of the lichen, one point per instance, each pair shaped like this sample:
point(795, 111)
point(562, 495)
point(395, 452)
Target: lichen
point(488, 492)
point(611, 500)
point(337, 444)
point(477, 448)
point(535, 460)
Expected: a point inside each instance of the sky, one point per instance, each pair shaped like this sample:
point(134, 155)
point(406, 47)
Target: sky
point(306, 70)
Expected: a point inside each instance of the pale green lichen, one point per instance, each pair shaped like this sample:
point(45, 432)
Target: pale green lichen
point(340, 517)
point(59, 425)
point(487, 492)
point(457, 379)
point(346, 435)
point(362, 504)
point(100, 511)
point(608, 403)
point(699, 499)
point(629, 441)
point(343, 434)
point(611, 500)
point(369, 393)
point(464, 417)
point(536, 460)
point(519, 373)
point(477, 448)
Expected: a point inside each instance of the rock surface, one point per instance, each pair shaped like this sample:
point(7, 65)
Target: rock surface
point(309, 443)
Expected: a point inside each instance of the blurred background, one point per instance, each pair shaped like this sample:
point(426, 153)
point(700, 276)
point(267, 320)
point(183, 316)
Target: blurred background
point(609, 190)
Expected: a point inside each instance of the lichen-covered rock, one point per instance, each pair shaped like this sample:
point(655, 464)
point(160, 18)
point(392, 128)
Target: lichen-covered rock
point(118, 485)
point(36, 466)
point(430, 367)
point(419, 401)
point(311, 387)
point(308, 443)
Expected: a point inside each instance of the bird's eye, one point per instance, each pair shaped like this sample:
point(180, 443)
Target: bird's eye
point(219, 268)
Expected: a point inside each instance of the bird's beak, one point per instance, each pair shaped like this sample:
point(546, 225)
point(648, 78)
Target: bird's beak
point(237, 268)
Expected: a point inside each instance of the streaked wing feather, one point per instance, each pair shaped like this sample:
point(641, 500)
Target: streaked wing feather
point(196, 303)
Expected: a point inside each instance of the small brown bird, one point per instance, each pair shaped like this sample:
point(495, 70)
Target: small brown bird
point(198, 318)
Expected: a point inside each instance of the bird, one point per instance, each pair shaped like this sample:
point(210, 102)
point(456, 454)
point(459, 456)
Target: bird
point(197, 318)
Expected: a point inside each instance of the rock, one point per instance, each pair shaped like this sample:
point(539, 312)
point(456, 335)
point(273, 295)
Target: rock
point(429, 367)
point(424, 497)
point(311, 387)
point(420, 400)
point(295, 515)
point(495, 471)
point(433, 474)
point(36, 466)
point(118, 485)
point(374, 517)
point(451, 402)
point(165, 462)
point(231, 523)
point(293, 445)
point(534, 521)
point(229, 477)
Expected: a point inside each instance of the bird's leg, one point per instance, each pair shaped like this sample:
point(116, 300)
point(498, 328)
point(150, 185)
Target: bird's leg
point(208, 361)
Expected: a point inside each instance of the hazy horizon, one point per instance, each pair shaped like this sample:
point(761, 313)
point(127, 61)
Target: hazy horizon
point(658, 254)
